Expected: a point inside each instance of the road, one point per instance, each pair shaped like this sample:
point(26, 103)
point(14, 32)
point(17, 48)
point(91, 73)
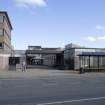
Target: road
point(54, 89)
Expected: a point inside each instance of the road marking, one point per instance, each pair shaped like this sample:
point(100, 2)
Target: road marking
point(70, 101)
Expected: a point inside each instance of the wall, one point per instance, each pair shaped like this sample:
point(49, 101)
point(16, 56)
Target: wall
point(6, 51)
point(49, 59)
point(4, 62)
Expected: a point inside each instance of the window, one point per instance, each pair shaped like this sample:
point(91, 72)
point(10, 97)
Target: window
point(1, 45)
point(1, 32)
point(5, 33)
point(1, 19)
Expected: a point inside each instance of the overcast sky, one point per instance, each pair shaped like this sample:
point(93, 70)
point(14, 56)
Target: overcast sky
point(55, 23)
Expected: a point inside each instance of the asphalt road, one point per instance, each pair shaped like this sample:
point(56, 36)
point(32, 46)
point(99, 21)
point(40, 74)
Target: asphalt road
point(85, 89)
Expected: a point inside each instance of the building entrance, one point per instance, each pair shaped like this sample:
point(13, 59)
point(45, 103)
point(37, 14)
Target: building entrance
point(34, 61)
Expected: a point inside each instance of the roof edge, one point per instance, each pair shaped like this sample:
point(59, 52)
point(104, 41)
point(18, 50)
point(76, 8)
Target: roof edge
point(7, 18)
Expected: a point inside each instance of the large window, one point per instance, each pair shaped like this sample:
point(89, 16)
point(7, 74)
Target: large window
point(1, 32)
point(1, 19)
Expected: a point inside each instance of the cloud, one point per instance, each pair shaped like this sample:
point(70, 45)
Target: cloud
point(100, 28)
point(95, 39)
point(33, 3)
point(92, 39)
point(101, 38)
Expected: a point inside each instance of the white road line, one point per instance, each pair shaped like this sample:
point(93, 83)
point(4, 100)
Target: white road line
point(70, 101)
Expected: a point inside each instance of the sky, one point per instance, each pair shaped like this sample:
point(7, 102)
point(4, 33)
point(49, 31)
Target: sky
point(55, 23)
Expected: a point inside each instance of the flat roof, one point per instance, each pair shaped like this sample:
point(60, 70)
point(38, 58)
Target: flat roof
point(43, 52)
point(85, 48)
point(92, 54)
point(4, 12)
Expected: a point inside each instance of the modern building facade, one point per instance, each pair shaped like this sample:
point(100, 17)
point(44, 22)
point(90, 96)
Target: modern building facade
point(72, 59)
point(92, 61)
point(36, 55)
point(6, 48)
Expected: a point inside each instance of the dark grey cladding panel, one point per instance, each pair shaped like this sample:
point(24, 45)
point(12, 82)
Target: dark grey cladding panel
point(92, 54)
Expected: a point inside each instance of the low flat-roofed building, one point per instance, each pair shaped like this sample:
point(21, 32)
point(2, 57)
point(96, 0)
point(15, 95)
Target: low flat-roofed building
point(71, 58)
point(44, 56)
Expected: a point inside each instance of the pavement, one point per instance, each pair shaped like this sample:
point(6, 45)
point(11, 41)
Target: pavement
point(33, 73)
point(51, 87)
